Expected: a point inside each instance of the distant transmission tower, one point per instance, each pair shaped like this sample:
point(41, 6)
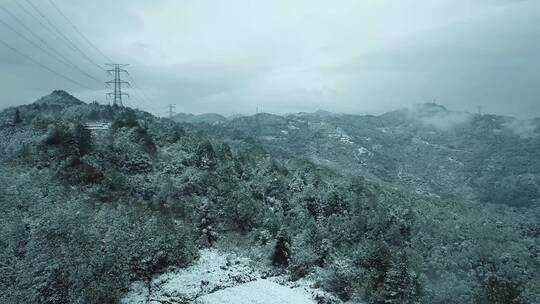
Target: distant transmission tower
point(171, 111)
point(117, 93)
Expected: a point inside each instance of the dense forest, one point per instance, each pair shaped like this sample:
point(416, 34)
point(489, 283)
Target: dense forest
point(87, 212)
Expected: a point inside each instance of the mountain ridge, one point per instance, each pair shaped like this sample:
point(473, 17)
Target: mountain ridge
point(452, 146)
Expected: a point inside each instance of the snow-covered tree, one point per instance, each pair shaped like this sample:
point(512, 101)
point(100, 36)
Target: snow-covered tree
point(282, 250)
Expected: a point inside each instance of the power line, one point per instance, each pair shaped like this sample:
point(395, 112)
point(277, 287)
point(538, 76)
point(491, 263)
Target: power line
point(42, 65)
point(79, 32)
point(147, 101)
point(134, 83)
point(134, 98)
point(44, 25)
point(64, 36)
point(37, 45)
point(36, 18)
point(137, 93)
point(55, 54)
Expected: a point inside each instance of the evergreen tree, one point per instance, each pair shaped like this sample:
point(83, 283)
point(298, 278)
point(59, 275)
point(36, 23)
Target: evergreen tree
point(282, 251)
point(83, 139)
point(17, 119)
point(205, 155)
point(400, 284)
point(375, 258)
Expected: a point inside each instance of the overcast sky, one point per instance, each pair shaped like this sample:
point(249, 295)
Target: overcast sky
point(230, 56)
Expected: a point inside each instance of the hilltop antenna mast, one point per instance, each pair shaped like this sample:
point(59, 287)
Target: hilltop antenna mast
point(117, 93)
point(171, 111)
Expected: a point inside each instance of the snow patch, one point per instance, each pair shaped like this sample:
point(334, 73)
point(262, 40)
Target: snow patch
point(364, 151)
point(257, 292)
point(218, 277)
point(453, 160)
point(293, 127)
point(340, 135)
point(212, 271)
point(418, 140)
point(346, 140)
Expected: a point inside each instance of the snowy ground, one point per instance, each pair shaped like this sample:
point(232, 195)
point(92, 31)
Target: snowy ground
point(257, 292)
point(218, 277)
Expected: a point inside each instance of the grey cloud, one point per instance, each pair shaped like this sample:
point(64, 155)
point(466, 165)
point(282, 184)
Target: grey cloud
point(346, 56)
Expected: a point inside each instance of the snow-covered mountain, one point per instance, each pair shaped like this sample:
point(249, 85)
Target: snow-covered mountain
point(426, 149)
point(316, 208)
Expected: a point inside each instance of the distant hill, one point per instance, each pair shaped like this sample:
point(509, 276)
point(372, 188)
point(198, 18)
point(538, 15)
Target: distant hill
point(318, 113)
point(209, 118)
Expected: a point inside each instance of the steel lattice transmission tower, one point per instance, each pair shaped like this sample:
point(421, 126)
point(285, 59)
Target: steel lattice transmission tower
point(171, 111)
point(117, 93)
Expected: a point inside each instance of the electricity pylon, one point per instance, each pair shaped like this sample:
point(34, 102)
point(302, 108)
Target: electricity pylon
point(171, 111)
point(117, 93)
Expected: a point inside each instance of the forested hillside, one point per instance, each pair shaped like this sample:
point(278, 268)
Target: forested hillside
point(426, 149)
point(85, 213)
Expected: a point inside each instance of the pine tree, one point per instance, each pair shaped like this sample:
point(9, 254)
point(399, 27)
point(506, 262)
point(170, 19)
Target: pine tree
point(83, 139)
point(17, 119)
point(205, 155)
point(401, 284)
point(282, 251)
